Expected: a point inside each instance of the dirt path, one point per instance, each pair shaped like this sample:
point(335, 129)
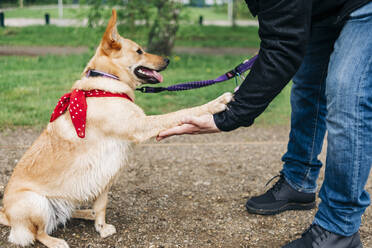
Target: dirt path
point(43, 50)
point(187, 191)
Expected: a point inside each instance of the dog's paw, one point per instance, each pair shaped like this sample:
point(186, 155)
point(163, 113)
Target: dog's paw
point(59, 243)
point(106, 230)
point(219, 104)
point(225, 98)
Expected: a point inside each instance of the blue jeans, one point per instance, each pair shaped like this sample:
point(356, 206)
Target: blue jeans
point(332, 91)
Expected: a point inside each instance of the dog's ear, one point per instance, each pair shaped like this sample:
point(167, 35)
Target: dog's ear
point(110, 40)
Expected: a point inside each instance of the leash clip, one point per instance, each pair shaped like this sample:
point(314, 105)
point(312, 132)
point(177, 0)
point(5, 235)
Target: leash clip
point(231, 74)
point(148, 89)
point(142, 89)
point(237, 71)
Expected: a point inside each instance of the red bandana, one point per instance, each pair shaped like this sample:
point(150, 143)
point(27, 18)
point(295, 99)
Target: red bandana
point(78, 106)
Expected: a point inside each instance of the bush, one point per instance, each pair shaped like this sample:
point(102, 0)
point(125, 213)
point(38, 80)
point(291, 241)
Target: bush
point(161, 16)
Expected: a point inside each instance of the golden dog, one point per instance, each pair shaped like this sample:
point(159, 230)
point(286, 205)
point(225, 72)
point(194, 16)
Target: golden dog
point(62, 169)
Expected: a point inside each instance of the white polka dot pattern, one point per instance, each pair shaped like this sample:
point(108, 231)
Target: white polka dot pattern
point(78, 118)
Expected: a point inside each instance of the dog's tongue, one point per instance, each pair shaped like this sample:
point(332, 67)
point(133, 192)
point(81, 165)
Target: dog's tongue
point(155, 74)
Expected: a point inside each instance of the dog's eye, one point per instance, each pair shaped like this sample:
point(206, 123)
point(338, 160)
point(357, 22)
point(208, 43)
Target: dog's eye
point(139, 51)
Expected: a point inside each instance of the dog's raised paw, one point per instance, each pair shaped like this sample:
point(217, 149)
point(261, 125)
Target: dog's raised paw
point(219, 104)
point(106, 230)
point(225, 98)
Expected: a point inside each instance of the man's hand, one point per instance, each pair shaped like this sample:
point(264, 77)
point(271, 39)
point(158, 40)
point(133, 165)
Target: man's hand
point(191, 125)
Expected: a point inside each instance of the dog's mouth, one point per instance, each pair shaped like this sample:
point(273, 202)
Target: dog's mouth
point(148, 75)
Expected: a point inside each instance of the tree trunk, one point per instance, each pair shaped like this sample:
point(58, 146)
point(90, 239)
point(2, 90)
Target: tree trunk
point(163, 31)
point(21, 3)
point(234, 12)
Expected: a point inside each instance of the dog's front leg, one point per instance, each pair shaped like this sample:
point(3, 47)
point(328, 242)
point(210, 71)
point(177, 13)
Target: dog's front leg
point(99, 208)
point(150, 126)
point(84, 214)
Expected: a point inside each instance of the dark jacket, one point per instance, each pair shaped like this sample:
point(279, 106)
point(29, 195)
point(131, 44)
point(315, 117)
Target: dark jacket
point(284, 28)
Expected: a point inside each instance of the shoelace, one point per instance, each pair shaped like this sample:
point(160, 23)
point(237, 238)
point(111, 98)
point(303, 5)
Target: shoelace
point(278, 184)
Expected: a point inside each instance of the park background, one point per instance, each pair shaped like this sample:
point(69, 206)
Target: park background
point(184, 191)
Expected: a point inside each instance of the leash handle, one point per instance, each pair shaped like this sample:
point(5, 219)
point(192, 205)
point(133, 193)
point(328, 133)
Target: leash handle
point(238, 70)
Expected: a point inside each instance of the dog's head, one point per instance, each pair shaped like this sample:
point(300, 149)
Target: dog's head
point(126, 59)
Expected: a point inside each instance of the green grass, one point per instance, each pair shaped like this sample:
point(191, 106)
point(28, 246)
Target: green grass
point(214, 36)
point(50, 36)
point(39, 12)
point(31, 86)
point(194, 36)
point(208, 13)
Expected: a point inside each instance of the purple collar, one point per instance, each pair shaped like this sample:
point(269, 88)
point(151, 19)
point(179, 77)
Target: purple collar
point(95, 73)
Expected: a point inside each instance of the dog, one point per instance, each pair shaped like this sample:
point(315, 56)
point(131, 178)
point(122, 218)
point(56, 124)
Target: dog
point(75, 161)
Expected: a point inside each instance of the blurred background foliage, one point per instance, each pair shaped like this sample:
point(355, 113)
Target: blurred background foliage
point(30, 86)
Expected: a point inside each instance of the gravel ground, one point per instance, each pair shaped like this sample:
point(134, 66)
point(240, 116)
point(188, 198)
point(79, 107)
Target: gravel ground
point(186, 191)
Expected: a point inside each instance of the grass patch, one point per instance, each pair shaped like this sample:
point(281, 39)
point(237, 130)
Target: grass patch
point(208, 13)
point(193, 36)
point(31, 86)
point(39, 12)
point(50, 36)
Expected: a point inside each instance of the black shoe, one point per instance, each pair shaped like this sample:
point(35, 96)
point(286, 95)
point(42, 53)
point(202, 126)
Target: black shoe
point(281, 197)
point(317, 237)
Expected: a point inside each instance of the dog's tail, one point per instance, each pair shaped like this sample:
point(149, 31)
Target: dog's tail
point(3, 219)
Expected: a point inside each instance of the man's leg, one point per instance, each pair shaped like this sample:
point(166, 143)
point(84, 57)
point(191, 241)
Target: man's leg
point(301, 164)
point(308, 103)
point(349, 125)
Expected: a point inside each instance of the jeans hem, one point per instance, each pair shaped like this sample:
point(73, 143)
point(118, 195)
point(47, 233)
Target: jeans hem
point(330, 228)
point(296, 187)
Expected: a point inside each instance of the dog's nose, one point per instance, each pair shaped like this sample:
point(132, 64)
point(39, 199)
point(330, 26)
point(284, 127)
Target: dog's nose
point(166, 60)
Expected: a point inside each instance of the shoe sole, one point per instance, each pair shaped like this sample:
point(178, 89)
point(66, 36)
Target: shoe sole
point(288, 206)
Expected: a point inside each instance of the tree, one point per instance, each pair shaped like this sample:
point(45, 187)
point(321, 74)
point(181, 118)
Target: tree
point(161, 16)
point(163, 31)
point(136, 11)
point(235, 12)
point(232, 11)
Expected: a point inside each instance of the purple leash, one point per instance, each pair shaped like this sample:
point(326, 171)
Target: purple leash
point(239, 70)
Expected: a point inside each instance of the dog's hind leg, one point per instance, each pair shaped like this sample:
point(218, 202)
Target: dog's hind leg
point(32, 216)
point(22, 209)
point(51, 242)
point(25, 211)
point(99, 207)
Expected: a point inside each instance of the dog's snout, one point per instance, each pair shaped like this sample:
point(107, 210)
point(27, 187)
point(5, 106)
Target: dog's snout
point(166, 60)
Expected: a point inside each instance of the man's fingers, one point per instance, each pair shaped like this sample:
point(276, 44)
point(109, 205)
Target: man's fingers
point(191, 125)
point(190, 120)
point(171, 131)
point(183, 129)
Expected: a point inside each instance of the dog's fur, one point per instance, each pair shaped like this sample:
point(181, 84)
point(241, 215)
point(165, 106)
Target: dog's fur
point(60, 169)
